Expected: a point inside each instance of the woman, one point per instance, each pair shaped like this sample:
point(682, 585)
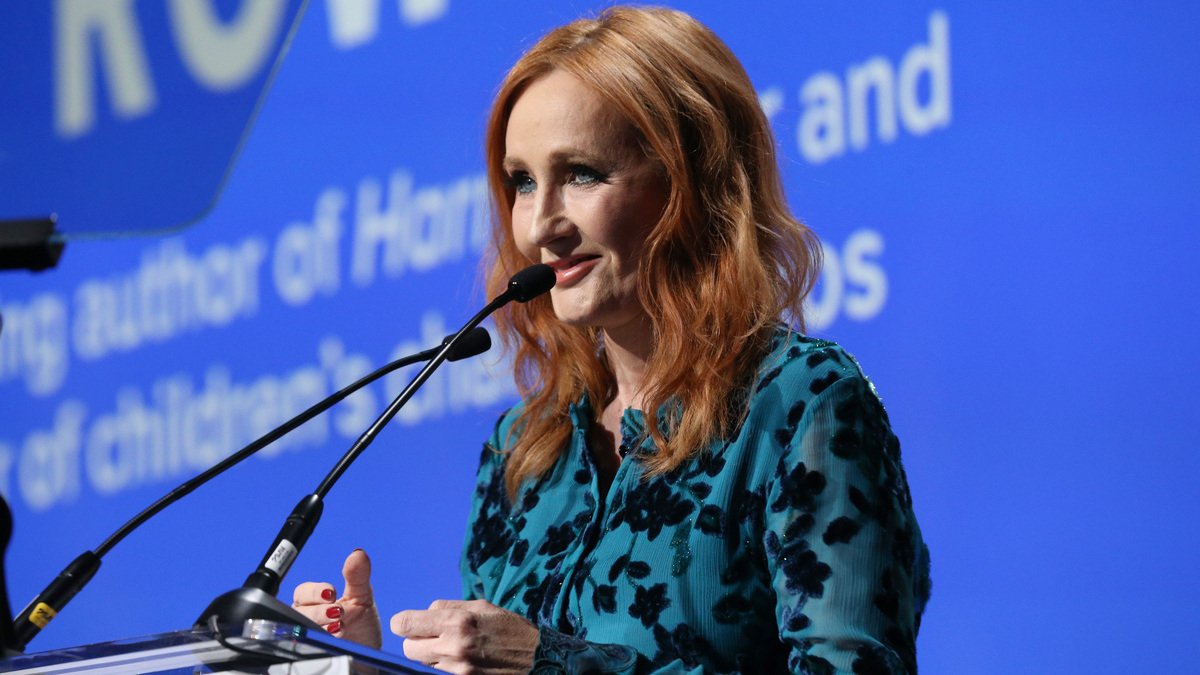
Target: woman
point(760, 520)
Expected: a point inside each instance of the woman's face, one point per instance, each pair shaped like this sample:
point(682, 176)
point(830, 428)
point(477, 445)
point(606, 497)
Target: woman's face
point(585, 198)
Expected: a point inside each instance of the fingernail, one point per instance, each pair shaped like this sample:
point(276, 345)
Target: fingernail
point(328, 595)
point(334, 627)
point(333, 612)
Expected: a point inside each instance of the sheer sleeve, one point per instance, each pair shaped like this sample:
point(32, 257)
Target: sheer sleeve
point(488, 536)
point(843, 550)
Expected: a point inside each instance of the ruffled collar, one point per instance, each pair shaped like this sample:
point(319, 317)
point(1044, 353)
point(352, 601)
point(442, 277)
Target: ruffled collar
point(635, 438)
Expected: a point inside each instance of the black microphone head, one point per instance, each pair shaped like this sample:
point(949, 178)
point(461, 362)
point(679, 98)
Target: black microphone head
point(474, 342)
point(531, 282)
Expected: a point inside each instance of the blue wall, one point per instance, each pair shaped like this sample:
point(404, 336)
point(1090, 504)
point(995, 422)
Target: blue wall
point(1011, 236)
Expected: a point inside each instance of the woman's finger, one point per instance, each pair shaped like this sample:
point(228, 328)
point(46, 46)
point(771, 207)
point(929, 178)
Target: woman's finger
point(323, 615)
point(357, 573)
point(420, 623)
point(453, 604)
point(312, 593)
point(467, 636)
point(422, 650)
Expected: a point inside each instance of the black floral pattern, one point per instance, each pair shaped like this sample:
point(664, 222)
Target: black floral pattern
point(648, 603)
point(727, 563)
point(618, 566)
point(605, 599)
point(651, 507)
point(876, 661)
point(490, 535)
point(682, 644)
point(637, 569)
point(795, 620)
point(798, 488)
point(841, 530)
point(519, 551)
point(804, 572)
point(732, 608)
point(804, 663)
point(711, 520)
point(821, 383)
point(558, 538)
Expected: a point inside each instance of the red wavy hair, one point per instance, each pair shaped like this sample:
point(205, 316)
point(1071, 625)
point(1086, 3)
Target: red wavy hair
point(725, 263)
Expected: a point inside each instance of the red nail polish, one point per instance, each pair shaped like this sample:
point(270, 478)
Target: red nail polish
point(333, 612)
point(328, 595)
point(334, 627)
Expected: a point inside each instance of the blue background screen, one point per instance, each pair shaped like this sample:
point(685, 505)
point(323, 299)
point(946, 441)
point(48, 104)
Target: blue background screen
point(1007, 196)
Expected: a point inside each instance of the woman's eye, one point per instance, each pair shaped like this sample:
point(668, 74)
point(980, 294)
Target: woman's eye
point(521, 182)
point(585, 175)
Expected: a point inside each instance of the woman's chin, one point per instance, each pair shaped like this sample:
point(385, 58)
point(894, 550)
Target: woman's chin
point(574, 318)
point(616, 323)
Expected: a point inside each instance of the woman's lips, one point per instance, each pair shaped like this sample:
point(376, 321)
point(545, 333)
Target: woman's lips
point(571, 270)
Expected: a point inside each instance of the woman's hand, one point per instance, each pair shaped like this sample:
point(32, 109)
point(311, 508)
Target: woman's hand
point(351, 617)
point(461, 636)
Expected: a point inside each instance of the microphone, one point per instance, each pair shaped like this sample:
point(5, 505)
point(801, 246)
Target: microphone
point(256, 598)
point(76, 575)
point(530, 283)
point(474, 343)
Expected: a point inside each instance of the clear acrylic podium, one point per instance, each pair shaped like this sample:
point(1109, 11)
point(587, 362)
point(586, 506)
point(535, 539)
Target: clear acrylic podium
point(257, 647)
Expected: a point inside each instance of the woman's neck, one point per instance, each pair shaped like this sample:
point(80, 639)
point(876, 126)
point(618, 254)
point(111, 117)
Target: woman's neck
point(628, 349)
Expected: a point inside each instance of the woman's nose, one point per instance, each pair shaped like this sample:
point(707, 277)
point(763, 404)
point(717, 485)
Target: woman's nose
point(548, 220)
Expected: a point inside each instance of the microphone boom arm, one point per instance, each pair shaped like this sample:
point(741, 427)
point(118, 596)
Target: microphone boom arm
point(76, 575)
point(256, 598)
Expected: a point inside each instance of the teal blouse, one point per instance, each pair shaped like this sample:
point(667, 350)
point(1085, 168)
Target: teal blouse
point(790, 547)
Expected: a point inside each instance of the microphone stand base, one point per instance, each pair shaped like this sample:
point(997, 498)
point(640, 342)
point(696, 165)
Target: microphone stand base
point(240, 604)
